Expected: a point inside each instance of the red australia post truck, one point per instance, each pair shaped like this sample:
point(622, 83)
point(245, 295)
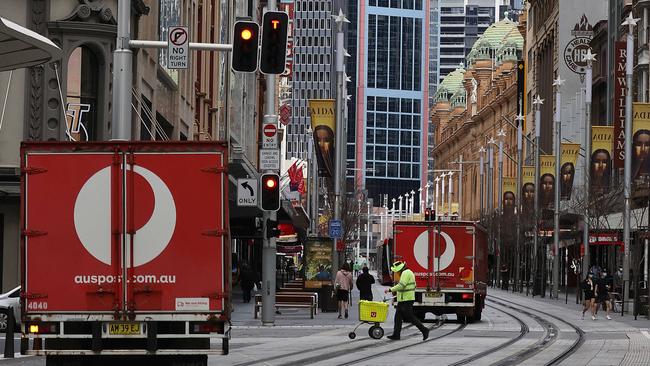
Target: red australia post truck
point(125, 252)
point(449, 260)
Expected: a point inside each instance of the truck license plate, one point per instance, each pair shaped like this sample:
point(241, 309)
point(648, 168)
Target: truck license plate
point(124, 329)
point(433, 294)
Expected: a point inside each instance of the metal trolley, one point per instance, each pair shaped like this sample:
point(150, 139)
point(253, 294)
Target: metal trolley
point(371, 312)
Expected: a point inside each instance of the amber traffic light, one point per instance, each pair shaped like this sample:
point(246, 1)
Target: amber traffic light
point(245, 46)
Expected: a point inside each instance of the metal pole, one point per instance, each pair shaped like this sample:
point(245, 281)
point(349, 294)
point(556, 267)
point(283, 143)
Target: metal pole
point(313, 181)
point(460, 186)
point(520, 160)
point(413, 202)
point(420, 208)
point(358, 248)
point(451, 191)
point(538, 124)
point(442, 194)
point(369, 232)
point(556, 208)
point(122, 74)
point(490, 205)
point(426, 195)
point(340, 131)
point(399, 214)
point(437, 195)
point(631, 22)
point(268, 244)
point(500, 207)
point(585, 235)
point(482, 177)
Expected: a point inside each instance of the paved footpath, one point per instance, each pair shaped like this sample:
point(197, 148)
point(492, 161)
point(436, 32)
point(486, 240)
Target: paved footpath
point(620, 341)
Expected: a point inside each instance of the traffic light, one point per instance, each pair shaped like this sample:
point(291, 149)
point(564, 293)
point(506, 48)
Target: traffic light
point(272, 230)
point(245, 41)
point(273, 55)
point(270, 192)
point(429, 214)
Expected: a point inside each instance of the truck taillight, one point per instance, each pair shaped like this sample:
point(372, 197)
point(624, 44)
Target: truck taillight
point(467, 296)
point(206, 327)
point(43, 328)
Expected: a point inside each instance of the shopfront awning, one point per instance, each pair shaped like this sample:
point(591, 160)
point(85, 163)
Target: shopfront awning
point(21, 47)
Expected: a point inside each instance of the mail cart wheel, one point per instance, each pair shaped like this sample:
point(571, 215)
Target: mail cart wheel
point(352, 335)
point(376, 332)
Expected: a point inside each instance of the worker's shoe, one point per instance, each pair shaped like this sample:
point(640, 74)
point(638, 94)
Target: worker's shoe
point(425, 334)
point(393, 337)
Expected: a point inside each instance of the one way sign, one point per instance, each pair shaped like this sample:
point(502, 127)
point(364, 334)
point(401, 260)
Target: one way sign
point(246, 192)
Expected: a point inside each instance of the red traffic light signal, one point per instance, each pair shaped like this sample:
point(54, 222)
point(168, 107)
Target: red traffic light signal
point(429, 214)
point(273, 55)
point(245, 46)
point(270, 192)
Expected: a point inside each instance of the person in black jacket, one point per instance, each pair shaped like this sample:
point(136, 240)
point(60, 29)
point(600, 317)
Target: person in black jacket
point(364, 284)
point(247, 280)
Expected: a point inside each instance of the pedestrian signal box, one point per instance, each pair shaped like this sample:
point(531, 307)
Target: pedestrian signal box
point(273, 55)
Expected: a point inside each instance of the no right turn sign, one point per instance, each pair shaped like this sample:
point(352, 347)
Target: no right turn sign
point(178, 48)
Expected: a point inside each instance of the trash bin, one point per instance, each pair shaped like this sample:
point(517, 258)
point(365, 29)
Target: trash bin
point(327, 299)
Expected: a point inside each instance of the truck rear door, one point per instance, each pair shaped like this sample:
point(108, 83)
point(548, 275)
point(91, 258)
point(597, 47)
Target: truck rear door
point(125, 230)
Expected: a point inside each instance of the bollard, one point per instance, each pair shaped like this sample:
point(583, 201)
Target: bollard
point(9, 334)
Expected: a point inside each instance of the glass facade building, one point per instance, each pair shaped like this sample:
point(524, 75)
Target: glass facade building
point(391, 96)
point(312, 69)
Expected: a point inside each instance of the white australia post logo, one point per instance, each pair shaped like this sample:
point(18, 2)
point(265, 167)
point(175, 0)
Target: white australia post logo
point(421, 252)
point(92, 218)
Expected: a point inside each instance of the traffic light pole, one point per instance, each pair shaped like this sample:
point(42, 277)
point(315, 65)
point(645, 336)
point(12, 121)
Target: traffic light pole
point(339, 166)
point(269, 248)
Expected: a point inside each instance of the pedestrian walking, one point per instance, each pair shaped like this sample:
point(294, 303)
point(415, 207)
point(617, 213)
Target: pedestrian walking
point(602, 294)
point(356, 267)
point(343, 284)
point(405, 289)
point(364, 284)
point(247, 280)
point(589, 289)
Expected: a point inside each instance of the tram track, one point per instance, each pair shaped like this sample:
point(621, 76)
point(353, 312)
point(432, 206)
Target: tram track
point(523, 331)
point(552, 334)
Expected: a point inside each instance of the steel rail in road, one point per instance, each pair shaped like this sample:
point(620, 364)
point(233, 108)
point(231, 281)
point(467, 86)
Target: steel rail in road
point(523, 331)
point(393, 350)
point(552, 333)
point(328, 346)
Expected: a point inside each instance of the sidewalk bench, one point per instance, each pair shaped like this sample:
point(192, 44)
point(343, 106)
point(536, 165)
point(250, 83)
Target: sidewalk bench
point(289, 300)
point(296, 285)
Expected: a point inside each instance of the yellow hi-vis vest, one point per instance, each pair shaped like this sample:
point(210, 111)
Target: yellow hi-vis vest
point(405, 288)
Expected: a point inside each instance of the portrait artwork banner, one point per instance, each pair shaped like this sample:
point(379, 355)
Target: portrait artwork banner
point(600, 163)
point(546, 181)
point(509, 187)
point(568, 159)
point(640, 144)
point(323, 122)
point(528, 190)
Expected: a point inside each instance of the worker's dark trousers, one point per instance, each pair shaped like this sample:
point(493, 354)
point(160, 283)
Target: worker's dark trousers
point(405, 313)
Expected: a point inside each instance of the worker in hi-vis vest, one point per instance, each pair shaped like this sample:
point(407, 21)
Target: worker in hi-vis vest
point(405, 290)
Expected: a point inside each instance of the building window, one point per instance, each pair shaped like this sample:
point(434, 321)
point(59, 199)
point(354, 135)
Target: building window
point(81, 105)
point(169, 15)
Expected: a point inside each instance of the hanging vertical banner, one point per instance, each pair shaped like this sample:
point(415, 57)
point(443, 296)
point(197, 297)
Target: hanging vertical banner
point(569, 158)
point(641, 144)
point(528, 190)
point(618, 112)
point(509, 187)
point(323, 121)
point(546, 181)
point(602, 143)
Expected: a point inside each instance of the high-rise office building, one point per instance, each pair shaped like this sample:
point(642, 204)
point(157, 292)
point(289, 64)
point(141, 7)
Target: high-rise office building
point(391, 96)
point(460, 24)
point(312, 69)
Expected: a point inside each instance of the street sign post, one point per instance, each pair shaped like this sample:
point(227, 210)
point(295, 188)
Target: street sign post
point(336, 229)
point(269, 159)
point(178, 48)
point(247, 192)
point(269, 136)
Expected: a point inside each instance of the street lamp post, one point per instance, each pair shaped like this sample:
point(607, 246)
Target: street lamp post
point(590, 58)
point(451, 191)
point(627, 189)
point(556, 209)
point(460, 186)
point(481, 152)
point(538, 125)
point(442, 194)
point(421, 210)
point(436, 195)
point(399, 214)
point(501, 135)
point(520, 123)
point(413, 202)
